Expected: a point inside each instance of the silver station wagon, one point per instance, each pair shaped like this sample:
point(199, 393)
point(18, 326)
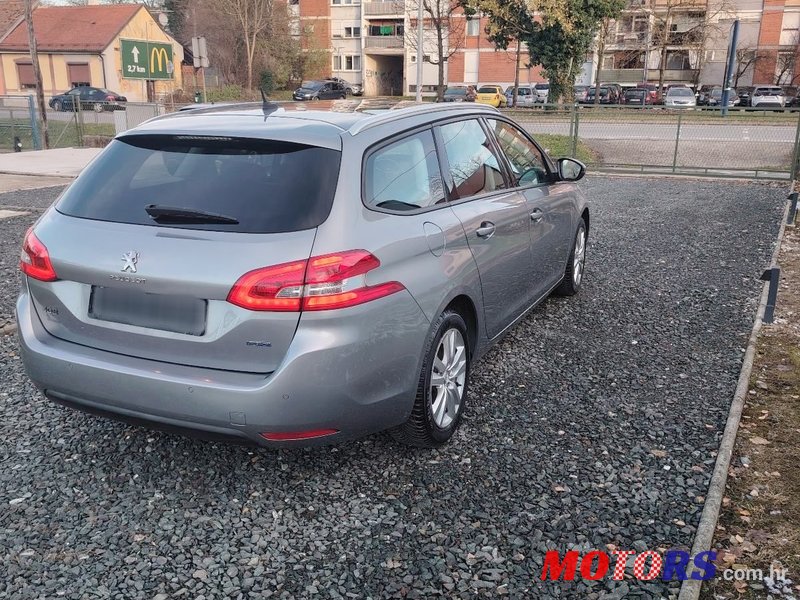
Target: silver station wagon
point(287, 277)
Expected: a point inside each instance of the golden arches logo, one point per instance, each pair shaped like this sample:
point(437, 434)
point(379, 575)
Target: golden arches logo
point(160, 55)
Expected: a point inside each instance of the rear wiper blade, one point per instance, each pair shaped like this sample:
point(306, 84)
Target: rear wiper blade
point(174, 214)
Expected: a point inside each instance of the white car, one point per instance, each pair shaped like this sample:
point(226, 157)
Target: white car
point(768, 96)
point(542, 92)
point(680, 97)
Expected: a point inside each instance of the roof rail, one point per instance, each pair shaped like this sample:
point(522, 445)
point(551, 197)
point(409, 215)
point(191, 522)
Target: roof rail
point(397, 114)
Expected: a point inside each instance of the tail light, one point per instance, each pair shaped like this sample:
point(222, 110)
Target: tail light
point(320, 283)
point(34, 259)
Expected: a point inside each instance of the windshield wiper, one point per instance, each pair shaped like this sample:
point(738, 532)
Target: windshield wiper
point(173, 214)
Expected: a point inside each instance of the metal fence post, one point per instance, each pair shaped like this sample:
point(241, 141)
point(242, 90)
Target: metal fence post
point(677, 140)
point(575, 135)
point(35, 139)
point(796, 153)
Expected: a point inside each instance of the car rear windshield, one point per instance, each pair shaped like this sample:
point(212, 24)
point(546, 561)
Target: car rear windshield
point(455, 92)
point(680, 92)
point(261, 186)
point(487, 90)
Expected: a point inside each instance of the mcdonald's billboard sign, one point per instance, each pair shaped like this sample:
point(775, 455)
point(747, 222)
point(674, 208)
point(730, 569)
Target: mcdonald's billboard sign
point(146, 60)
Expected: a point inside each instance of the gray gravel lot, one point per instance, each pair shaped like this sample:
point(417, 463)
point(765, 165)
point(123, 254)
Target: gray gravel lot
point(594, 422)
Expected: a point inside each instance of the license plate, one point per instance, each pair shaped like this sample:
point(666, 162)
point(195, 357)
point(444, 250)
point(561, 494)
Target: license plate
point(178, 314)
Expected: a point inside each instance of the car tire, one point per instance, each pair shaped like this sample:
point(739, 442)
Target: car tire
point(98, 107)
point(57, 106)
point(315, 98)
point(573, 273)
point(437, 408)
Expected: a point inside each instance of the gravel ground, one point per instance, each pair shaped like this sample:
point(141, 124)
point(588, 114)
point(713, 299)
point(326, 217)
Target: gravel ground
point(594, 422)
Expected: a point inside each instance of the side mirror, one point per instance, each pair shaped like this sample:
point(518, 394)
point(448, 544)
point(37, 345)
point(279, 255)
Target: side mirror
point(570, 169)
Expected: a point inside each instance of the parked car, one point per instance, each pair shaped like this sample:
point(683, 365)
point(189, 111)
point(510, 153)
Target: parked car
point(609, 94)
point(542, 92)
point(492, 95)
point(767, 96)
point(744, 95)
point(581, 93)
point(320, 90)
point(88, 98)
point(652, 91)
point(714, 97)
point(351, 89)
point(703, 94)
point(281, 278)
point(680, 97)
point(526, 96)
point(637, 97)
point(459, 93)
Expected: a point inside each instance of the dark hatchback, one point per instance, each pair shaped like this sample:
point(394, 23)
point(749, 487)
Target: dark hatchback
point(320, 90)
point(88, 98)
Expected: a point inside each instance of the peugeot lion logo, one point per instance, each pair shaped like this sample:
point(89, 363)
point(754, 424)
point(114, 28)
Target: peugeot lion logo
point(130, 259)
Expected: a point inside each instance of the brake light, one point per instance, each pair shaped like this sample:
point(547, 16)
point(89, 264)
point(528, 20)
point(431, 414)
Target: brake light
point(34, 259)
point(321, 283)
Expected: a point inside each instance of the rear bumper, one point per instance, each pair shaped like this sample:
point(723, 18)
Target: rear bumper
point(355, 372)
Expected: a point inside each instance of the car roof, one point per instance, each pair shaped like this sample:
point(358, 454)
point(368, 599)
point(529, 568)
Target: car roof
point(323, 125)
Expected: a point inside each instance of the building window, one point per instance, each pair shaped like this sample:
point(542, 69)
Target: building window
point(386, 29)
point(352, 32)
point(347, 62)
point(678, 60)
point(25, 75)
point(79, 74)
point(344, 2)
point(790, 29)
point(473, 27)
point(784, 68)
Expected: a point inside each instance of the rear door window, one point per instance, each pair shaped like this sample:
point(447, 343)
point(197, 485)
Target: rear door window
point(404, 175)
point(474, 166)
point(264, 186)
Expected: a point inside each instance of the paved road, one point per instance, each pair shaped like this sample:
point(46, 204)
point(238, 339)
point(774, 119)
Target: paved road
point(610, 130)
point(594, 422)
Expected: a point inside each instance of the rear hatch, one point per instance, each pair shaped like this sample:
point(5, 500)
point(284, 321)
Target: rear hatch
point(149, 241)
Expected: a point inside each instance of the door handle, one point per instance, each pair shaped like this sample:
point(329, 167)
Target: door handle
point(537, 215)
point(485, 230)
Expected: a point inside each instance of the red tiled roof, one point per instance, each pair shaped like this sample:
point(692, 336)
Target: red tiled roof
point(76, 28)
point(10, 12)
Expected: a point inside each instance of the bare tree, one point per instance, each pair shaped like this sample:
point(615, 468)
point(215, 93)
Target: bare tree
point(745, 58)
point(445, 18)
point(254, 18)
point(703, 22)
point(602, 39)
point(37, 74)
point(786, 72)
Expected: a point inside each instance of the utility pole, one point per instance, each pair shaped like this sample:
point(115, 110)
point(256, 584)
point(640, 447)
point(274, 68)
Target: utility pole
point(37, 74)
point(420, 49)
point(730, 68)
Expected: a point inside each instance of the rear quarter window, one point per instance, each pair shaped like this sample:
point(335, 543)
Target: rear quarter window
point(267, 186)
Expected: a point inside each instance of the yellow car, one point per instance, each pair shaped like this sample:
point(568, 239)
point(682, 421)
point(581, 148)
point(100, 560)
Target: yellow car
point(492, 95)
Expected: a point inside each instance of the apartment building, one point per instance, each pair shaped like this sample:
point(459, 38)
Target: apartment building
point(690, 38)
point(375, 44)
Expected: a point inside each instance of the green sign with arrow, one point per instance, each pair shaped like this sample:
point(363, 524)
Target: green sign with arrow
point(146, 60)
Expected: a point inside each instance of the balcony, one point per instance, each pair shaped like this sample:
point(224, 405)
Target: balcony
point(386, 8)
point(635, 75)
point(372, 42)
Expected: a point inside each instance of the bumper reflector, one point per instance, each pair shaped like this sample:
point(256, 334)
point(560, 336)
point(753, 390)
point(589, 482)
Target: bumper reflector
point(289, 436)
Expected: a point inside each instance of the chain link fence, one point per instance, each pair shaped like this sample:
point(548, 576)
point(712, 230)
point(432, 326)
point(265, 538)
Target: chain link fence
point(69, 125)
point(750, 143)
